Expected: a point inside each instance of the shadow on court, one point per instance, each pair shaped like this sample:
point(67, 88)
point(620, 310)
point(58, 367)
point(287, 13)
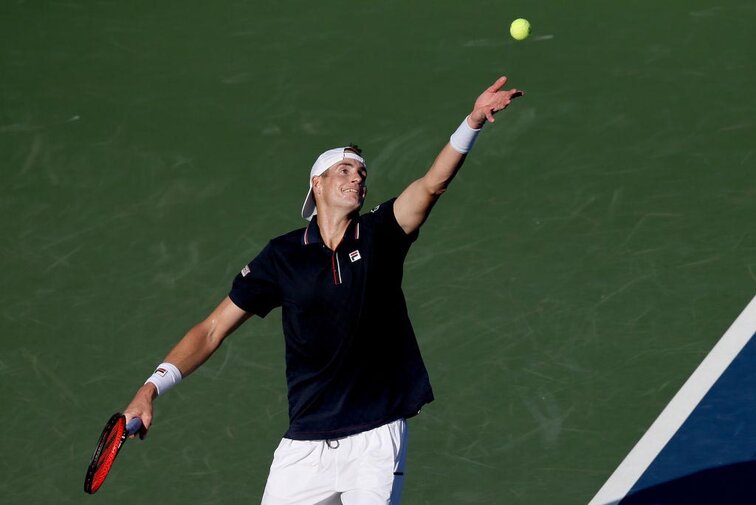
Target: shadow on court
point(733, 484)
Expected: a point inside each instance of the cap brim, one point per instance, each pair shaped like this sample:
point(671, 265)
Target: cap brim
point(308, 208)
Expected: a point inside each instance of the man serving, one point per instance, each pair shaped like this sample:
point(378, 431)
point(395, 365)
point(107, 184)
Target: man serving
point(353, 366)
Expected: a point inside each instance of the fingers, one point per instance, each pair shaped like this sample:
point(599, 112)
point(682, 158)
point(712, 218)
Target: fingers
point(144, 415)
point(504, 100)
point(506, 97)
point(142, 432)
point(494, 100)
point(496, 86)
point(144, 425)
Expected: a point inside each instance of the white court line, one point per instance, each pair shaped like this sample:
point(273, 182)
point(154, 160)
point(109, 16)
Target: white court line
point(678, 410)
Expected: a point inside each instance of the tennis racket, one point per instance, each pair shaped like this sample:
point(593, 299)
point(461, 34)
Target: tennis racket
point(113, 436)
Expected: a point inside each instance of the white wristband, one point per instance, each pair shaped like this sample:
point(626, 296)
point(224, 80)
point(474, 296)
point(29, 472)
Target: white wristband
point(463, 139)
point(165, 377)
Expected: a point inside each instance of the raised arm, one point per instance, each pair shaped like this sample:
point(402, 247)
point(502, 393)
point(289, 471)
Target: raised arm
point(415, 203)
point(193, 349)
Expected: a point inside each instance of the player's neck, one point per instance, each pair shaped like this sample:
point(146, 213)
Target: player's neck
point(332, 227)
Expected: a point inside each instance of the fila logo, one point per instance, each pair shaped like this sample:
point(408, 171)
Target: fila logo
point(245, 271)
point(161, 372)
point(355, 255)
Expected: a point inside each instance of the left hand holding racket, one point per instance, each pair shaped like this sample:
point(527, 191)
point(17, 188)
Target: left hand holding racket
point(141, 407)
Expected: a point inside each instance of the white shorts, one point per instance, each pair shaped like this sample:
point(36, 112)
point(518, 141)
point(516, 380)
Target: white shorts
point(362, 469)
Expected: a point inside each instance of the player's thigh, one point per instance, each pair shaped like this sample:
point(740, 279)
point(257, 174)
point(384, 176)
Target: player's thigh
point(361, 497)
point(297, 477)
point(377, 475)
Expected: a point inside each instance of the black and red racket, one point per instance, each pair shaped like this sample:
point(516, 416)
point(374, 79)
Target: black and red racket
point(113, 436)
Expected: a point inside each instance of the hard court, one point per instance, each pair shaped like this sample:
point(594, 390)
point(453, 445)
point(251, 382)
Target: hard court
point(596, 247)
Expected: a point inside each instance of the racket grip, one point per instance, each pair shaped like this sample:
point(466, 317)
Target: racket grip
point(133, 426)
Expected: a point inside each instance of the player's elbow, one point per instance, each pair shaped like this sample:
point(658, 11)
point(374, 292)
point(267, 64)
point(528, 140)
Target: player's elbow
point(434, 188)
point(215, 335)
point(208, 335)
point(438, 191)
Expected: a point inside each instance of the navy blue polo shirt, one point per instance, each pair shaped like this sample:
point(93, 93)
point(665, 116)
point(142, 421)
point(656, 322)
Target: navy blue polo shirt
point(352, 359)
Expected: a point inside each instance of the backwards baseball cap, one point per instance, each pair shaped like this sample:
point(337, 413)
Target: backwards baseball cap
point(323, 163)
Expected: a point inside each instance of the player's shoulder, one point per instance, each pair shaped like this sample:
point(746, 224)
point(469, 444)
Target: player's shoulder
point(380, 210)
point(382, 220)
point(289, 239)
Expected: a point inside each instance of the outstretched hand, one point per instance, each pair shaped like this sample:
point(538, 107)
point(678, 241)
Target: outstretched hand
point(491, 101)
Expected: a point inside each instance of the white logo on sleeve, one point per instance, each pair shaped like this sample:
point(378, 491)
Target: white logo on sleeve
point(355, 255)
point(245, 271)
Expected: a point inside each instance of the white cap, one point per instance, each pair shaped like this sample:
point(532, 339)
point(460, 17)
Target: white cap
point(323, 163)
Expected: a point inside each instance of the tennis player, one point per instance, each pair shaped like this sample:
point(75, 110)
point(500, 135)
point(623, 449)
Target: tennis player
point(353, 367)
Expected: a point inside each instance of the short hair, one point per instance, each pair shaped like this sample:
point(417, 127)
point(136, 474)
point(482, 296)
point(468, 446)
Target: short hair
point(354, 148)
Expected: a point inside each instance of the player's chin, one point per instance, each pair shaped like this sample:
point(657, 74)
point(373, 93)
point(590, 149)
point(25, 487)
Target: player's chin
point(353, 199)
point(355, 206)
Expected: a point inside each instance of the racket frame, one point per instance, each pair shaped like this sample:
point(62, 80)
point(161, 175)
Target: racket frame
point(131, 428)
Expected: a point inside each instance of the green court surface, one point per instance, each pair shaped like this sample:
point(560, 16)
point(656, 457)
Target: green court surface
point(599, 240)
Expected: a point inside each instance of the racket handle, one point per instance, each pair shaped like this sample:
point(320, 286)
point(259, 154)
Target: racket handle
point(133, 426)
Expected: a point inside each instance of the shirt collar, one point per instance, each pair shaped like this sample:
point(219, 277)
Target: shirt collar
point(311, 234)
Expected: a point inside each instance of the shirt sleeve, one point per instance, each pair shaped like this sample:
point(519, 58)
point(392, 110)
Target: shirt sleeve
point(385, 221)
point(256, 289)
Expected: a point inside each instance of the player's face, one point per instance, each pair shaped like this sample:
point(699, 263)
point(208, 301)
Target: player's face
point(342, 185)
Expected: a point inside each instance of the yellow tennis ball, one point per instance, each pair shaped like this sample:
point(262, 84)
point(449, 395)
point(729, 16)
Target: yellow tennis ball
point(520, 29)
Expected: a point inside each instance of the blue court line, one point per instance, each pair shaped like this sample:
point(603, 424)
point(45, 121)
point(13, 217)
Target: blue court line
point(679, 409)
